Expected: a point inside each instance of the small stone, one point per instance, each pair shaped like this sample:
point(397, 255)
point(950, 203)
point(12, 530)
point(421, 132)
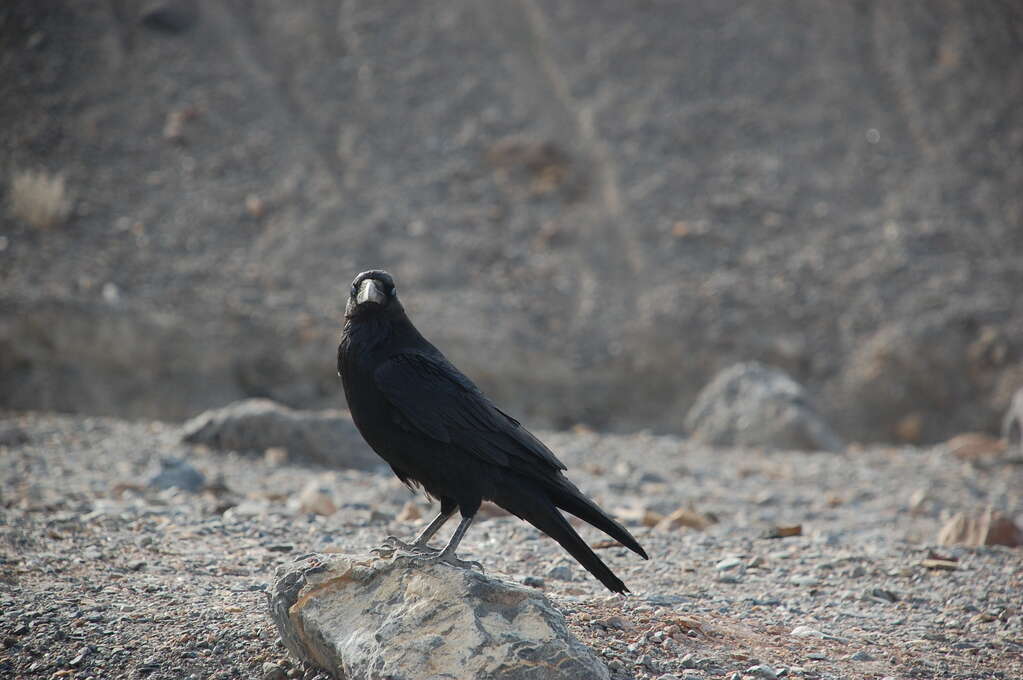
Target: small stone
point(12, 435)
point(561, 572)
point(616, 622)
point(272, 671)
point(860, 656)
point(84, 652)
point(817, 656)
point(728, 563)
point(533, 582)
point(803, 580)
point(784, 531)
point(882, 595)
point(316, 499)
point(176, 473)
point(762, 671)
point(988, 527)
point(668, 676)
point(684, 518)
point(806, 631)
point(729, 577)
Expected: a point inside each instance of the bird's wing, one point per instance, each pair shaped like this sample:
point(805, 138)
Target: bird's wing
point(435, 399)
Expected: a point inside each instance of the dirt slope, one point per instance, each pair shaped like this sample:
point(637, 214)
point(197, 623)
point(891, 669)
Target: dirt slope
point(591, 206)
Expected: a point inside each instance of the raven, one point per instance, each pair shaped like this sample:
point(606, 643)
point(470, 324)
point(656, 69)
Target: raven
point(437, 430)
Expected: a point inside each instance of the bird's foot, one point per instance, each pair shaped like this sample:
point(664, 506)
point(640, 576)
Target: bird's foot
point(444, 557)
point(393, 544)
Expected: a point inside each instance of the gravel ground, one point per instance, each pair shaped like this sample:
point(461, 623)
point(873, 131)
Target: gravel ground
point(105, 576)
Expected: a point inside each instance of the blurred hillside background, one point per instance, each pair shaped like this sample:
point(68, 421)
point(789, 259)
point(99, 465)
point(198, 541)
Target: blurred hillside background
point(590, 206)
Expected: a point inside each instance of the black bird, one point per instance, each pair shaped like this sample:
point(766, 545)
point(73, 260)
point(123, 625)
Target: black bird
point(437, 430)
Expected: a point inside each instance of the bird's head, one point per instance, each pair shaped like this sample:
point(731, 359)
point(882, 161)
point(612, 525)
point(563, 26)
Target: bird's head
point(373, 292)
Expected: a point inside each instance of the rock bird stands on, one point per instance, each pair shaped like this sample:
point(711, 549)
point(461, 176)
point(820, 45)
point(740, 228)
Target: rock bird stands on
point(437, 430)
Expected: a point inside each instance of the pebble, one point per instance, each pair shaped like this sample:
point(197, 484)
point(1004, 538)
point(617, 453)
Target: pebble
point(860, 656)
point(881, 595)
point(728, 563)
point(762, 671)
point(176, 473)
point(562, 572)
point(807, 631)
point(316, 499)
point(272, 671)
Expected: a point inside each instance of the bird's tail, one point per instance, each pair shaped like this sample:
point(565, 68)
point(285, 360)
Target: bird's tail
point(547, 519)
point(569, 498)
point(539, 507)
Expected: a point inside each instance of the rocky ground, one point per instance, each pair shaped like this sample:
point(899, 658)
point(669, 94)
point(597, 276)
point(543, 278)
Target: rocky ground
point(104, 575)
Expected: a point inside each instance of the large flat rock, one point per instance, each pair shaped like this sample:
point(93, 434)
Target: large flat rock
point(363, 617)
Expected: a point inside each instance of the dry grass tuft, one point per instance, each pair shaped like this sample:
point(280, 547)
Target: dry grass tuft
point(40, 199)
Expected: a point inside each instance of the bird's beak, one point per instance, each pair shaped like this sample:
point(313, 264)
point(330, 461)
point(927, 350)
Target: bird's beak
point(369, 291)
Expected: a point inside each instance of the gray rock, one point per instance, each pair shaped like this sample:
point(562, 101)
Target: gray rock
point(12, 435)
point(364, 617)
point(272, 671)
point(926, 377)
point(176, 473)
point(323, 437)
point(762, 671)
point(1012, 426)
point(561, 572)
point(169, 16)
point(750, 404)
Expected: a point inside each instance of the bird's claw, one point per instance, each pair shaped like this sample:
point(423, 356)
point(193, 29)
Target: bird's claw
point(442, 558)
point(393, 544)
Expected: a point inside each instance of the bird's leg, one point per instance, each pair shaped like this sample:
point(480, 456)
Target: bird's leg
point(419, 545)
point(447, 555)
